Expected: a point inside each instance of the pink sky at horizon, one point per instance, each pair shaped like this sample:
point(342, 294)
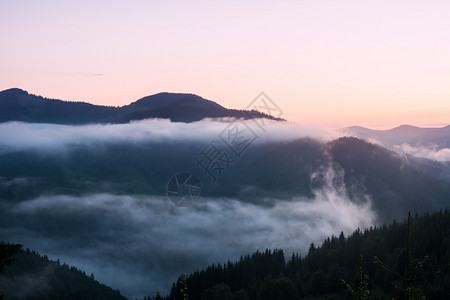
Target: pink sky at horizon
point(332, 64)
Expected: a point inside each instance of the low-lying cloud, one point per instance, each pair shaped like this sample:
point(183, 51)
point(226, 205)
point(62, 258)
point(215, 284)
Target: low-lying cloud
point(140, 244)
point(18, 135)
point(432, 152)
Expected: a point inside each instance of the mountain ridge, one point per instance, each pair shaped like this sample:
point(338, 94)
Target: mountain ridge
point(402, 129)
point(19, 105)
point(432, 143)
point(366, 169)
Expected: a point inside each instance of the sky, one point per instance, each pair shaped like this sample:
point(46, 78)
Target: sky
point(377, 64)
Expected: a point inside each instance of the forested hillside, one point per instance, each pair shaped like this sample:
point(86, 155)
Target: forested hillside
point(19, 105)
point(320, 273)
point(274, 170)
point(32, 276)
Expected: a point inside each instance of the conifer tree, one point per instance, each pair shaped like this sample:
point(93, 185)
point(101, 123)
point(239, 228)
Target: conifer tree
point(411, 274)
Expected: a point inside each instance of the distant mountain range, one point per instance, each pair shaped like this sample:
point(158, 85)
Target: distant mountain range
point(438, 138)
point(19, 105)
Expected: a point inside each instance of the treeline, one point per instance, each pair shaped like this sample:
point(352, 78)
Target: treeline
point(320, 273)
point(28, 275)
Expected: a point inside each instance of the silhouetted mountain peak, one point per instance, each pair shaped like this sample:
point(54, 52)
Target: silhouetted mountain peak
point(19, 105)
point(404, 126)
point(14, 91)
point(169, 99)
point(406, 129)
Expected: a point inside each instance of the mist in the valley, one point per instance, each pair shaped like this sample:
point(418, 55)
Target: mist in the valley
point(430, 143)
point(432, 152)
point(20, 136)
point(141, 243)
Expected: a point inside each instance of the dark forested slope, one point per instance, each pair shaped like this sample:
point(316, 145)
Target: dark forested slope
point(319, 274)
point(32, 276)
point(280, 170)
point(19, 105)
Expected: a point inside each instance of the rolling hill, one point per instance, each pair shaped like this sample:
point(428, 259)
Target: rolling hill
point(19, 105)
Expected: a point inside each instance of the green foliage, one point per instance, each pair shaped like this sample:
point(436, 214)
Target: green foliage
point(281, 288)
point(241, 295)
point(266, 275)
point(184, 287)
point(361, 292)
point(219, 291)
point(411, 275)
